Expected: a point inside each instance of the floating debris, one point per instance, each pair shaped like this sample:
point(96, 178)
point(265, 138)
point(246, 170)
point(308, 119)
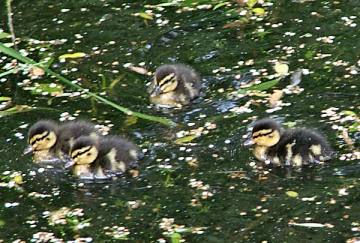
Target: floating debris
point(296, 77)
point(311, 225)
point(281, 69)
point(117, 232)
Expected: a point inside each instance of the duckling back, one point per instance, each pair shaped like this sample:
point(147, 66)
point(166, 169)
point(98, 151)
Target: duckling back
point(301, 146)
point(118, 154)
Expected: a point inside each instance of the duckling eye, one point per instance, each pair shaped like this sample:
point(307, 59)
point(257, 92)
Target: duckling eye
point(88, 154)
point(48, 139)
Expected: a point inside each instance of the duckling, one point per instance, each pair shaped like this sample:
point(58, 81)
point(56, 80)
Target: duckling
point(48, 140)
point(294, 147)
point(174, 85)
point(102, 158)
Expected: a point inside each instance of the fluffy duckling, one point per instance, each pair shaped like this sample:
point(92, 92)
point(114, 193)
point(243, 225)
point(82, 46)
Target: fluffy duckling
point(174, 85)
point(295, 147)
point(48, 140)
point(101, 158)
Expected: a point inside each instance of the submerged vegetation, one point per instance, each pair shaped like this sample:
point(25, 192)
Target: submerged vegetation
point(296, 61)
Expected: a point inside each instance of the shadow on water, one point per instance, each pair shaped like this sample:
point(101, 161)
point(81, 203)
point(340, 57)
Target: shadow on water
point(210, 181)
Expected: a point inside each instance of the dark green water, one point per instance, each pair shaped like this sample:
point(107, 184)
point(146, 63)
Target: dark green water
point(252, 207)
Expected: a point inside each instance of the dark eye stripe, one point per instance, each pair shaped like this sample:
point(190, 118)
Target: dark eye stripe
point(167, 82)
point(41, 138)
point(265, 134)
point(80, 153)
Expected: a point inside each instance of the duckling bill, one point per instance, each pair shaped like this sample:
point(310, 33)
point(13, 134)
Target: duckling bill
point(293, 147)
point(48, 140)
point(102, 158)
point(174, 85)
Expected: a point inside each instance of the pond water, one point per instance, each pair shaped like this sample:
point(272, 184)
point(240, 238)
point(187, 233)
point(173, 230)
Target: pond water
point(209, 189)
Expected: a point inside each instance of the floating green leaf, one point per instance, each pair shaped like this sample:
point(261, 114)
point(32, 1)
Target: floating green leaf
point(251, 3)
point(265, 85)
point(355, 127)
point(260, 87)
point(292, 194)
point(219, 5)
point(167, 4)
point(175, 238)
point(309, 54)
point(4, 35)
point(349, 113)
point(145, 16)
point(130, 120)
point(4, 98)
point(259, 11)
point(72, 55)
point(185, 139)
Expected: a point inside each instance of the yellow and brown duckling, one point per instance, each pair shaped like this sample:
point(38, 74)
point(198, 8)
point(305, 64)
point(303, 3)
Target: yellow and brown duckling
point(48, 140)
point(102, 158)
point(174, 85)
point(294, 147)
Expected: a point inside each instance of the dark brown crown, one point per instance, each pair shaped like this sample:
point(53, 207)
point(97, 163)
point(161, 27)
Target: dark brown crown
point(84, 141)
point(265, 124)
point(41, 127)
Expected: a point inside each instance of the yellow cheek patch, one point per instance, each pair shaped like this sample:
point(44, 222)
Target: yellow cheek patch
point(315, 149)
point(166, 78)
point(43, 141)
point(87, 156)
point(38, 137)
point(77, 152)
point(169, 86)
point(268, 140)
point(262, 132)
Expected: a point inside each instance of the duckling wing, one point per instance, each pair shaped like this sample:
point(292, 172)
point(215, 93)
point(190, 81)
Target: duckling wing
point(302, 146)
point(119, 154)
point(189, 81)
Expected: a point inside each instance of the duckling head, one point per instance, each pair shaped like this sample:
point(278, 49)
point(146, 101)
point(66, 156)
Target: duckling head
point(42, 136)
point(165, 81)
point(265, 133)
point(84, 151)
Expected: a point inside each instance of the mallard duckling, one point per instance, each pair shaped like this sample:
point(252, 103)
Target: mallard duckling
point(295, 147)
point(101, 158)
point(174, 85)
point(48, 140)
